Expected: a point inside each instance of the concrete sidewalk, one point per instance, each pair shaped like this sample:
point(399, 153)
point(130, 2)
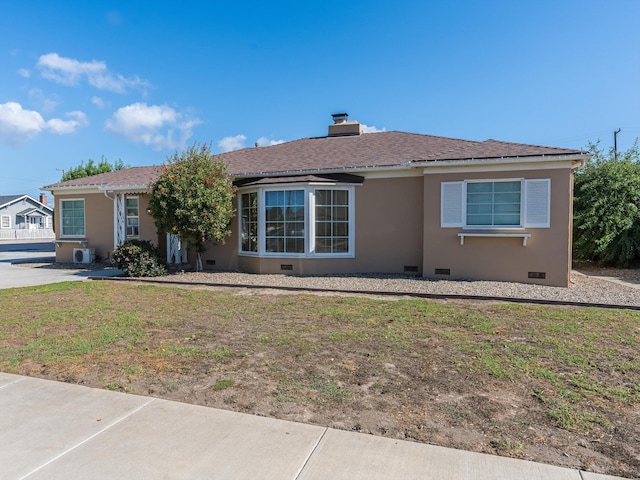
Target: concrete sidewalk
point(56, 431)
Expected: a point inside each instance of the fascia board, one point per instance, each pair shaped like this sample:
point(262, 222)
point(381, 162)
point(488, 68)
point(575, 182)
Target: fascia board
point(498, 167)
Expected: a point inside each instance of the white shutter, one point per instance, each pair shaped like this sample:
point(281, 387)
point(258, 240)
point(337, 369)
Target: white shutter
point(537, 206)
point(451, 203)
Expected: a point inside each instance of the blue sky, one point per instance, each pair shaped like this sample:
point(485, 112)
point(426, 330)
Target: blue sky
point(138, 80)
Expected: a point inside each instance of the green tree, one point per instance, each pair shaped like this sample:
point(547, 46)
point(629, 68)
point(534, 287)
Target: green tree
point(91, 168)
point(193, 197)
point(607, 208)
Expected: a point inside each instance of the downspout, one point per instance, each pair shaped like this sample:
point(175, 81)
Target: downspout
point(115, 218)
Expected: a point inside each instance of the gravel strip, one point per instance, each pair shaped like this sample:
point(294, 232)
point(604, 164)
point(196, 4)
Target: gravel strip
point(583, 289)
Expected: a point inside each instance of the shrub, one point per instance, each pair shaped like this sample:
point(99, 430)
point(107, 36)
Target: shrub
point(139, 258)
point(607, 208)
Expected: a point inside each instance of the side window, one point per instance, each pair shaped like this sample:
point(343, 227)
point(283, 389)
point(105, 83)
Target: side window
point(249, 221)
point(133, 216)
point(72, 218)
point(5, 221)
point(332, 221)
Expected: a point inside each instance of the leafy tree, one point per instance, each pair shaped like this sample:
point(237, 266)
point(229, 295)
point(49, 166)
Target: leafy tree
point(193, 198)
point(91, 168)
point(607, 208)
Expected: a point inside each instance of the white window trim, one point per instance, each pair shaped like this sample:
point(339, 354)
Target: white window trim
point(456, 215)
point(309, 215)
point(84, 218)
point(2, 219)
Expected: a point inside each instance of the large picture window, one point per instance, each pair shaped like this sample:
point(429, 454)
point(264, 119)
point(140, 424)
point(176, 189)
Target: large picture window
point(72, 218)
point(284, 216)
point(306, 221)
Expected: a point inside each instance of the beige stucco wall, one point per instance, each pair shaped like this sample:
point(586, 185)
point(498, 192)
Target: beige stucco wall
point(506, 259)
point(99, 226)
point(388, 236)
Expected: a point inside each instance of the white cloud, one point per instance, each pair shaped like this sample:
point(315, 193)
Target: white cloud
point(266, 142)
point(77, 119)
point(47, 105)
point(23, 72)
point(227, 144)
point(158, 126)
point(372, 129)
point(69, 71)
point(18, 125)
point(99, 102)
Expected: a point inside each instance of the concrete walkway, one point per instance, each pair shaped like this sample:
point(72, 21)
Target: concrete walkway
point(58, 431)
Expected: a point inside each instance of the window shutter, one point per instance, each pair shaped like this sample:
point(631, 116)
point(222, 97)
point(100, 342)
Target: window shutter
point(451, 204)
point(537, 208)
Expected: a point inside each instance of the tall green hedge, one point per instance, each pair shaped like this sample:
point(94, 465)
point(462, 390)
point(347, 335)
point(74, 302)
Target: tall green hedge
point(606, 225)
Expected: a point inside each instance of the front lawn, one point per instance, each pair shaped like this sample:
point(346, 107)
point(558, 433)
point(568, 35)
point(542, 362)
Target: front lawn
point(550, 384)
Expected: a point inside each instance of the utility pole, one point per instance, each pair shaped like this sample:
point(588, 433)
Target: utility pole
point(615, 143)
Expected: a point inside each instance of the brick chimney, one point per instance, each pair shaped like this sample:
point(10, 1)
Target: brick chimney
point(43, 199)
point(342, 127)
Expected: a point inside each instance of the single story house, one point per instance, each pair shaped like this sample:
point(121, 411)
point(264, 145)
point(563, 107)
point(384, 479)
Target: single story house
point(20, 212)
point(354, 202)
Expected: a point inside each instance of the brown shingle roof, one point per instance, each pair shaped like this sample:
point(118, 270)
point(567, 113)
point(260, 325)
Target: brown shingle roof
point(372, 150)
point(134, 176)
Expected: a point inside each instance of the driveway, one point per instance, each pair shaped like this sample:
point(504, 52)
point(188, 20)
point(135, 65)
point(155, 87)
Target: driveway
point(20, 276)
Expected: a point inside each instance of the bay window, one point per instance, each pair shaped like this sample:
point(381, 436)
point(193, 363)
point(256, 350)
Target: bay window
point(297, 221)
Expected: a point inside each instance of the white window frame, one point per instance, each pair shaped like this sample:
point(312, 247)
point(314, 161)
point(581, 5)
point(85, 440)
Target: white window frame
point(7, 219)
point(127, 217)
point(84, 217)
point(535, 204)
point(309, 221)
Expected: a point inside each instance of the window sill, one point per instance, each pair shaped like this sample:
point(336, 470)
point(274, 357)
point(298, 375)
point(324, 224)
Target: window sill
point(301, 255)
point(80, 241)
point(524, 236)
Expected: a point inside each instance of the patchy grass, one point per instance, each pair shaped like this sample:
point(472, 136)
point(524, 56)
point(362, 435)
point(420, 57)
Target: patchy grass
point(510, 378)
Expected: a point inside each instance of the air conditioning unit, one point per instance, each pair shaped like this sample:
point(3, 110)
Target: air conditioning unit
point(84, 255)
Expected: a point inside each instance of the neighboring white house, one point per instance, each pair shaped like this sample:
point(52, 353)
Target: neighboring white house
point(23, 217)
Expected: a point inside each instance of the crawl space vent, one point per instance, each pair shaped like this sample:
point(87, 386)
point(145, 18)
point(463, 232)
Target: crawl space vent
point(443, 271)
point(538, 275)
point(286, 267)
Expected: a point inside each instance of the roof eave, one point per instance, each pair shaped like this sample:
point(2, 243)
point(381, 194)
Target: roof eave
point(575, 158)
point(98, 188)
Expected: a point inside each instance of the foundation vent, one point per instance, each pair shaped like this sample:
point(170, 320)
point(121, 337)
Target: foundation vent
point(286, 267)
point(443, 271)
point(411, 269)
point(540, 275)
point(210, 262)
